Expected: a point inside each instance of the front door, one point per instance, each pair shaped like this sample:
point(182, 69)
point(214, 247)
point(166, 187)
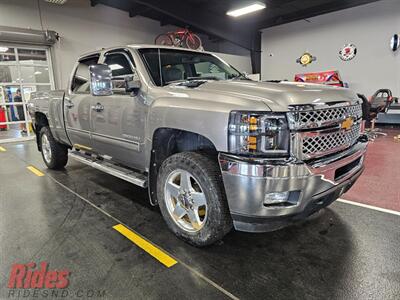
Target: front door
point(118, 120)
point(77, 105)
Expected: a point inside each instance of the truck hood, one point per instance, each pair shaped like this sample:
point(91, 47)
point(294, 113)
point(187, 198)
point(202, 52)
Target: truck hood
point(279, 96)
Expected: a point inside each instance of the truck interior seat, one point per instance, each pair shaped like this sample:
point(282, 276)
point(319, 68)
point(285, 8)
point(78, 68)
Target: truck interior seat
point(172, 74)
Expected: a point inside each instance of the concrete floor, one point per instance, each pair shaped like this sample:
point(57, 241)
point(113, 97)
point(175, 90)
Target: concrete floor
point(65, 218)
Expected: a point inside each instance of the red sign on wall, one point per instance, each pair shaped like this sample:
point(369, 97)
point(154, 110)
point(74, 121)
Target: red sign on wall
point(325, 77)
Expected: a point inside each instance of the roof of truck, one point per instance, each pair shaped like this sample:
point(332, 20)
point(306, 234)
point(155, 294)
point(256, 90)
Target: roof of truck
point(137, 46)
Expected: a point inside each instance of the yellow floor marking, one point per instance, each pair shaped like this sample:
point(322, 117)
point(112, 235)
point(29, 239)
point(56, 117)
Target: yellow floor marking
point(2, 149)
point(157, 253)
point(35, 171)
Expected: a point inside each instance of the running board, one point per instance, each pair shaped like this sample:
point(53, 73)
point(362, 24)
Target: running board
point(110, 168)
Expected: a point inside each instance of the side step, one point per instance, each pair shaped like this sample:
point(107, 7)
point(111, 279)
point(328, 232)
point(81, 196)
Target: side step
point(110, 168)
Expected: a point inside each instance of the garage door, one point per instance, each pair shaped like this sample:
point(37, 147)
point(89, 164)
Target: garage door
point(23, 69)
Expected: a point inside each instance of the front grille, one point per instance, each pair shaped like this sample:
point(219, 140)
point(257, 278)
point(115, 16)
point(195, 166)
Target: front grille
point(317, 133)
point(316, 144)
point(307, 119)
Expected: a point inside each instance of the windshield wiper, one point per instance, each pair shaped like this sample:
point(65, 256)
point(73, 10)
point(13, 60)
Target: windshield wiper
point(193, 81)
point(203, 78)
point(241, 76)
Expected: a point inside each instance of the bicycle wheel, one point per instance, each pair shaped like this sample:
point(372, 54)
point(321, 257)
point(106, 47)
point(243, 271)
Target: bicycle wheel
point(193, 42)
point(164, 39)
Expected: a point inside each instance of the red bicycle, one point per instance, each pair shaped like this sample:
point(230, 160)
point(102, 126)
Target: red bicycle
point(180, 38)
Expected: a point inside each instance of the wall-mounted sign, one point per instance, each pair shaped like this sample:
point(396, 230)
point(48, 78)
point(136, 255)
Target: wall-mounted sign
point(394, 42)
point(306, 59)
point(348, 52)
point(325, 77)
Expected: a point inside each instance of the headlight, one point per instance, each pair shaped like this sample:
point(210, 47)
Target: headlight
point(256, 133)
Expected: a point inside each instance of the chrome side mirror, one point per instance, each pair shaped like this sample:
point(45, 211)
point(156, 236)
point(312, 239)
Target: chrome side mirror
point(100, 80)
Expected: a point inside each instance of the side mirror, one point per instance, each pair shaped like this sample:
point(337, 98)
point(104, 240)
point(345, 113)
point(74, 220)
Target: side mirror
point(100, 80)
point(132, 82)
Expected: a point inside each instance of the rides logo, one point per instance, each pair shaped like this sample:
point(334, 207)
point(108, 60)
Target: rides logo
point(32, 276)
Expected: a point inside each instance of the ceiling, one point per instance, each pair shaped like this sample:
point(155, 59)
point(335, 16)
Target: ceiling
point(209, 16)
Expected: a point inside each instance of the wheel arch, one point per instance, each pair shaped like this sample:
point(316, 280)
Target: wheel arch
point(40, 121)
point(169, 141)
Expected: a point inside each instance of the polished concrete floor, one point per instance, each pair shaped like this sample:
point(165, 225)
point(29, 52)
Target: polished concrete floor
point(65, 218)
point(379, 185)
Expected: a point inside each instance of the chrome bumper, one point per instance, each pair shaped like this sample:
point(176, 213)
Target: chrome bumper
point(311, 186)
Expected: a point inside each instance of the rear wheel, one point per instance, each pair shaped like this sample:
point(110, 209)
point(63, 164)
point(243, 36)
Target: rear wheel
point(164, 40)
point(55, 155)
point(192, 199)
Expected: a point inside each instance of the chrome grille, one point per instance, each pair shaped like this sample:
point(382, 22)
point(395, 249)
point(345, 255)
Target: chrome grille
point(307, 119)
point(315, 144)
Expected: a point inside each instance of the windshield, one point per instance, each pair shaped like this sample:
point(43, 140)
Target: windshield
point(170, 65)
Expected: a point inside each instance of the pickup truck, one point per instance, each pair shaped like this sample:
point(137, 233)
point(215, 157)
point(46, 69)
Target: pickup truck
point(215, 149)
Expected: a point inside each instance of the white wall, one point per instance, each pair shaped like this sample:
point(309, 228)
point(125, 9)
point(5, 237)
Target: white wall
point(369, 27)
point(84, 28)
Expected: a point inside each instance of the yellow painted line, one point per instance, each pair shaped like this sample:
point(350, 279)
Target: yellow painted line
point(2, 149)
point(35, 171)
point(157, 253)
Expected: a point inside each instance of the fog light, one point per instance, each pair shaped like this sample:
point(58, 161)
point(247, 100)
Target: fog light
point(273, 198)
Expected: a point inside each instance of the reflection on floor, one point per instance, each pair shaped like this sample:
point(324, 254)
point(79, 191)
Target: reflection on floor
point(379, 185)
point(12, 132)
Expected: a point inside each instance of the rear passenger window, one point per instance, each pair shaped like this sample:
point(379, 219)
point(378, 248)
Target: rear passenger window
point(81, 80)
point(119, 64)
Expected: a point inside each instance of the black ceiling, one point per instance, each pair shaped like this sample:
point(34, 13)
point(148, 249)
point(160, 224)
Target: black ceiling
point(209, 16)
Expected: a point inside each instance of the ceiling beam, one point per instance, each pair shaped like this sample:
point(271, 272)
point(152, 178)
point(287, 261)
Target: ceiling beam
point(138, 11)
point(208, 22)
point(302, 14)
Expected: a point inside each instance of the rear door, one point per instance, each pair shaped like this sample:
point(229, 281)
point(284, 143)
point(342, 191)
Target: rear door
point(77, 105)
point(118, 126)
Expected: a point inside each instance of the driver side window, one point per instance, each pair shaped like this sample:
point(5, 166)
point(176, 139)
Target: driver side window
point(119, 64)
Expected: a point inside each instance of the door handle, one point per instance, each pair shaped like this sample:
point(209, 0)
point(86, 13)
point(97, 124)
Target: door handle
point(98, 107)
point(69, 104)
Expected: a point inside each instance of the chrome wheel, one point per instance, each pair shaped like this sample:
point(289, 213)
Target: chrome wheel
point(185, 201)
point(46, 149)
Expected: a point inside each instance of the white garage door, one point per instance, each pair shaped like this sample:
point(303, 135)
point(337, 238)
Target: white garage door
point(23, 70)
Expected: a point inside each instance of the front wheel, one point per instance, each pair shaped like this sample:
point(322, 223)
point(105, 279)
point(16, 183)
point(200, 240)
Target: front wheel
point(192, 198)
point(55, 155)
point(193, 42)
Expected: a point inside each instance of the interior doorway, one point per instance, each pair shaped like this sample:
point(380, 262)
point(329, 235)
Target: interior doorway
point(23, 70)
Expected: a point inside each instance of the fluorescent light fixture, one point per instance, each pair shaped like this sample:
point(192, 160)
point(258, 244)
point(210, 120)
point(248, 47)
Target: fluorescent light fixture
point(246, 9)
point(59, 2)
point(3, 49)
point(115, 67)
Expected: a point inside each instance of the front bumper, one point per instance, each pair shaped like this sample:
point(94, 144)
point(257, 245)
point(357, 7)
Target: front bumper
point(312, 186)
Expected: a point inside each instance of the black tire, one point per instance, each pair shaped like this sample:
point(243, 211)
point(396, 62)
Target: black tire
point(59, 152)
point(193, 43)
point(164, 40)
point(206, 172)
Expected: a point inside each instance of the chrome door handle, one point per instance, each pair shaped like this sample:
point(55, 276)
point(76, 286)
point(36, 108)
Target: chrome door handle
point(98, 107)
point(69, 104)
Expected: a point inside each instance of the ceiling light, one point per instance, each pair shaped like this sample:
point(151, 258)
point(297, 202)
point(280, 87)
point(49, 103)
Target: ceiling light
point(246, 9)
point(59, 2)
point(3, 49)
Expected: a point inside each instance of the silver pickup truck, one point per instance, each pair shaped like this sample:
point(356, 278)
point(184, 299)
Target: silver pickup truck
point(213, 148)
